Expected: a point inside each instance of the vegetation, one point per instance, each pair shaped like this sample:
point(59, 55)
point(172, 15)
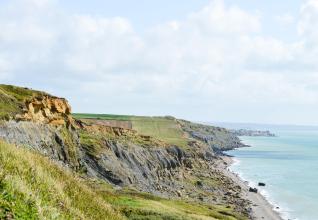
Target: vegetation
point(136, 205)
point(71, 149)
point(103, 116)
point(91, 142)
point(12, 99)
point(34, 187)
point(162, 128)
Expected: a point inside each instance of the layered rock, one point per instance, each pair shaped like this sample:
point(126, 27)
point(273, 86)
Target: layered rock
point(219, 139)
point(126, 159)
point(58, 143)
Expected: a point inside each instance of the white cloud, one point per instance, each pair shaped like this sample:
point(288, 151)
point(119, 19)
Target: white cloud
point(99, 45)
point(308, 23)
point(218, 53)
point(309, 14)
point(216, 18)
point(285, 19)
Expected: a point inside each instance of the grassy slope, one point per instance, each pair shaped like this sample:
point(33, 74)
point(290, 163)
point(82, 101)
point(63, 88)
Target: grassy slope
point(145, 206)
point(163, 128)
point(33, 187)
point(12, 99)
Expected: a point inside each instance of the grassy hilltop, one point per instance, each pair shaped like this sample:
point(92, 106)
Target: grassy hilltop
point(12, 99)
point(164, 128)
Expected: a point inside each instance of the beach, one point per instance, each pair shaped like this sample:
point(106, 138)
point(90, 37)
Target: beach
point(260, 207)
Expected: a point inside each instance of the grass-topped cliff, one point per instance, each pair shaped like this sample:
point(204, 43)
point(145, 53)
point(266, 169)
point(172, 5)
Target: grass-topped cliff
point(108, 166)
point(12, 99)
point(171, 130)
point(164, 128)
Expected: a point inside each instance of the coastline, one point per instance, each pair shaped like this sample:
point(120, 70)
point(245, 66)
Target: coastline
point(260, 207)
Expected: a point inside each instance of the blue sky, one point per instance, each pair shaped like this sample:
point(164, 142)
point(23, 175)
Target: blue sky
point(203, 60)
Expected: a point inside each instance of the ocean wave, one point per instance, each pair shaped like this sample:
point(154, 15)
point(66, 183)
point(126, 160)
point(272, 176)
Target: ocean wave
point(284, 211)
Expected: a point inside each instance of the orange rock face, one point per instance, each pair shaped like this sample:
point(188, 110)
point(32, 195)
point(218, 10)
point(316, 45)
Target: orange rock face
point(47, 109)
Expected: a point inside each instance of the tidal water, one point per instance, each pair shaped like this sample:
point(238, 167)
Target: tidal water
point(288, 164)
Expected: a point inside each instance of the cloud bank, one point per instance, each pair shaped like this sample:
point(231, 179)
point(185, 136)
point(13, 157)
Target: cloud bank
point(216, 64)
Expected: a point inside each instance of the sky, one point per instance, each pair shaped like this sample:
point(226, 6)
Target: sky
point(202, 60)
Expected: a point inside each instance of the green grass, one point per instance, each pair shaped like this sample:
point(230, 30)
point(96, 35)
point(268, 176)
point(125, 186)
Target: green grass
point(19, 93)
point(70, 147)
point(135, 205)
point(34, 187)
point(12, 99)
point(91, 142)
point(103, 116)
point(162, 128)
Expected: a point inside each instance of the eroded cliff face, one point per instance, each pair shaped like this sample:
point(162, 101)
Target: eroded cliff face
point(123, 157)
point(219, 139)
point(59, 143)
point(47, 110)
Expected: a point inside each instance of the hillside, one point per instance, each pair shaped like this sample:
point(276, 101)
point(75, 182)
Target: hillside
point(33, 187)
point(54, 166)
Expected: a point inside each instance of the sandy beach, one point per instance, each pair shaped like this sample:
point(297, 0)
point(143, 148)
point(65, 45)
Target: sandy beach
point(261, 208)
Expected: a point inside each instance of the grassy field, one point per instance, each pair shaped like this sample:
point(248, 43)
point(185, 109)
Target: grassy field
point(103, 116)
point(34, 187)
point(163, 128)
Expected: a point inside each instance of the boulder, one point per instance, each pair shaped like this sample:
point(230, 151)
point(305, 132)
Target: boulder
point(254, 190)
point(261, 184)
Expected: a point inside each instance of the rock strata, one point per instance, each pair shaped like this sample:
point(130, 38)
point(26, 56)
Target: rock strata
point(218, 139)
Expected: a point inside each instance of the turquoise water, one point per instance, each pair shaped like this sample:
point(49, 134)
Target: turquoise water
point(288, 164)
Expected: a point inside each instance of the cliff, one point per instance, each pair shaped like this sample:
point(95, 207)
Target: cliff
point(12, 100)
point(253, 133)
point(219, 139)
point(48, 110)
point(164, 157)
point(23, 104)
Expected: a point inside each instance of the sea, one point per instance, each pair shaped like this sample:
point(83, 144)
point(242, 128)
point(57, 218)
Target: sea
point(287, 164)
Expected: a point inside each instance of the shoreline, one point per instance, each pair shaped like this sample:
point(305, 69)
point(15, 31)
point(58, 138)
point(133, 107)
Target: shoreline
point(261, 208)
